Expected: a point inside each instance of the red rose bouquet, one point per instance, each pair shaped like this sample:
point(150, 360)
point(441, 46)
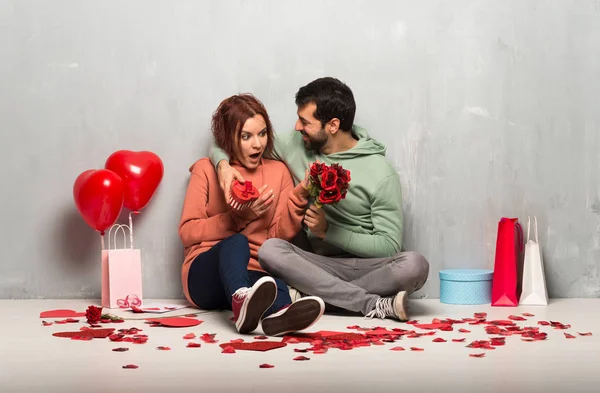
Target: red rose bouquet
point(328, 184)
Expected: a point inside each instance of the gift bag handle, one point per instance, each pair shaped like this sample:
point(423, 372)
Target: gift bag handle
point(520, 233)
point(117, 228)
point(121, 227)
point(535, 228)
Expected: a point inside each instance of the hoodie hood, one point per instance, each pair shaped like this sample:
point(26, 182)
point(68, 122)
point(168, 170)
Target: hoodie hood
point(366, 146)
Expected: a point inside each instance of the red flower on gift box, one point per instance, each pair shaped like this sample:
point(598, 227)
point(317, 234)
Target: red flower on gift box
point(328, 184)
point(93, 314)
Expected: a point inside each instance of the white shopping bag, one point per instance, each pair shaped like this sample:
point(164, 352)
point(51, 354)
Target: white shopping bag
point(534, 291)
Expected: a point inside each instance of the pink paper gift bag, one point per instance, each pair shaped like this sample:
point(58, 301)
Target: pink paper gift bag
point(121, 274)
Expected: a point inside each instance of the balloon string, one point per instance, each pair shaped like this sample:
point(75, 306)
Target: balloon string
point(102, 241)
point(131, 230)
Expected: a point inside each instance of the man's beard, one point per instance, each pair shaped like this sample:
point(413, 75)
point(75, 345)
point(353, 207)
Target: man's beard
point(317, 142)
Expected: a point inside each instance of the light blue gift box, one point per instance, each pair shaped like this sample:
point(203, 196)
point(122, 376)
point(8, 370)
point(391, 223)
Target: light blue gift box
point(466, 286)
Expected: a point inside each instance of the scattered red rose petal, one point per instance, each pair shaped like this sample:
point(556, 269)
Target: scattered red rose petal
point(413, 322)
point(61, 314)
point(228, 349)
point(458, 340)
point(353, 327)
point(516, 318)
point(320, 351)
point(429, 326)
point(47, 323)
point(416, 349)
point(193, 345)
point(464, 330)
point(481, 344)
point(300, 350)
point(543, 323)
point(558, 325)
point(567, 335)
point(94, 333)
point(96, 326)
point(189, 336)
point(585, 334)
point(502, 323)
point(136, 310)
point(261, 337)
point(81, 338)
point(161, 348)
point(528, 314)
point(397, 349)
point(237, 340)
point(476, 355)
point(265, 365)
point(130, 366)
point(292, 341)
point(301, 358)
point(120, 349)
point(439, 340)
point(480, 315)
point(209, 338)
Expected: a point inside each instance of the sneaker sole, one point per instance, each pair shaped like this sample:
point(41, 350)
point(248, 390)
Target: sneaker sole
point(259, 302)
point(298, 316)
point(402, 312)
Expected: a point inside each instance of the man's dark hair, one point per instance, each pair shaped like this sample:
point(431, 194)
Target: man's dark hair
point(333, 100)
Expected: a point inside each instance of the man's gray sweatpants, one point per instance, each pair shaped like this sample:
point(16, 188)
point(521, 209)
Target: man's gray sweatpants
point(352, 284)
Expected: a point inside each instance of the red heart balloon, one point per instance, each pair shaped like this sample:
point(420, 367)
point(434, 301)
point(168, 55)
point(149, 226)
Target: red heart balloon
point(98, 196)
point(141, 172)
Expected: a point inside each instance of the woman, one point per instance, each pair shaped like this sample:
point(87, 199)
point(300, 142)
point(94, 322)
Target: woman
point(221, 269)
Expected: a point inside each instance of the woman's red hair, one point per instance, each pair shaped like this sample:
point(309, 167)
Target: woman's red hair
point(230, 117)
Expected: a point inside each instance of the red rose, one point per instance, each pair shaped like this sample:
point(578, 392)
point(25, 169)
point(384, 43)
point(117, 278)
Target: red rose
point(316, 169)
point(342, 173)
point(93, 314)
point(331, 196)
point(329, 179)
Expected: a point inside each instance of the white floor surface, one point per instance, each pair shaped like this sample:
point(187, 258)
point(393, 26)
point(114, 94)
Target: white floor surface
point(32, 360)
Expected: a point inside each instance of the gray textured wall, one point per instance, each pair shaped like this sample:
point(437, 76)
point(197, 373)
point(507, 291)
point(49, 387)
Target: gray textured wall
point(489, 109)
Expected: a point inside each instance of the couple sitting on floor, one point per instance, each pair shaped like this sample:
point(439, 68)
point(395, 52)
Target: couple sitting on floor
point(348, 255)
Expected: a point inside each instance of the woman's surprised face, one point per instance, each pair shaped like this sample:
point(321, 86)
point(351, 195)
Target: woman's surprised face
point(252, 142)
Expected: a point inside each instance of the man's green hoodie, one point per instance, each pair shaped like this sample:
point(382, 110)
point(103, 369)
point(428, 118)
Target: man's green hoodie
point(368, 223)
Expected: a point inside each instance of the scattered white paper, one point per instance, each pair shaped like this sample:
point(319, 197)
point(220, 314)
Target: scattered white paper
point(159, 308)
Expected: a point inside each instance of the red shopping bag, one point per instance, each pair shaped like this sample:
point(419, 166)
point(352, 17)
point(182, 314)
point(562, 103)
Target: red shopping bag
point(509, 249)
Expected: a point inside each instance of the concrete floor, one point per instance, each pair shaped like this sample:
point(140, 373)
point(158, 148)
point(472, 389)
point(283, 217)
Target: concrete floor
point(32, 360)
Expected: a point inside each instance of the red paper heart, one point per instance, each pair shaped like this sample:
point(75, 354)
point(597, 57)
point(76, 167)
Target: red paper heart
point(61, 314)
point(176, 322)
point(141, 173)
point(346, 336)
point(433, 325)
point(382, 332)
point(300, 338)
point(255, 346)
point(93, 333)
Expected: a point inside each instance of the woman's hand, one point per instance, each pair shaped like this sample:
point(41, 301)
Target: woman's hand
point(263, 203)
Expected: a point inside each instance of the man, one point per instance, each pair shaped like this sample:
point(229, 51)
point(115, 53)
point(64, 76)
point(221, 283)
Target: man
point(353, 256)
